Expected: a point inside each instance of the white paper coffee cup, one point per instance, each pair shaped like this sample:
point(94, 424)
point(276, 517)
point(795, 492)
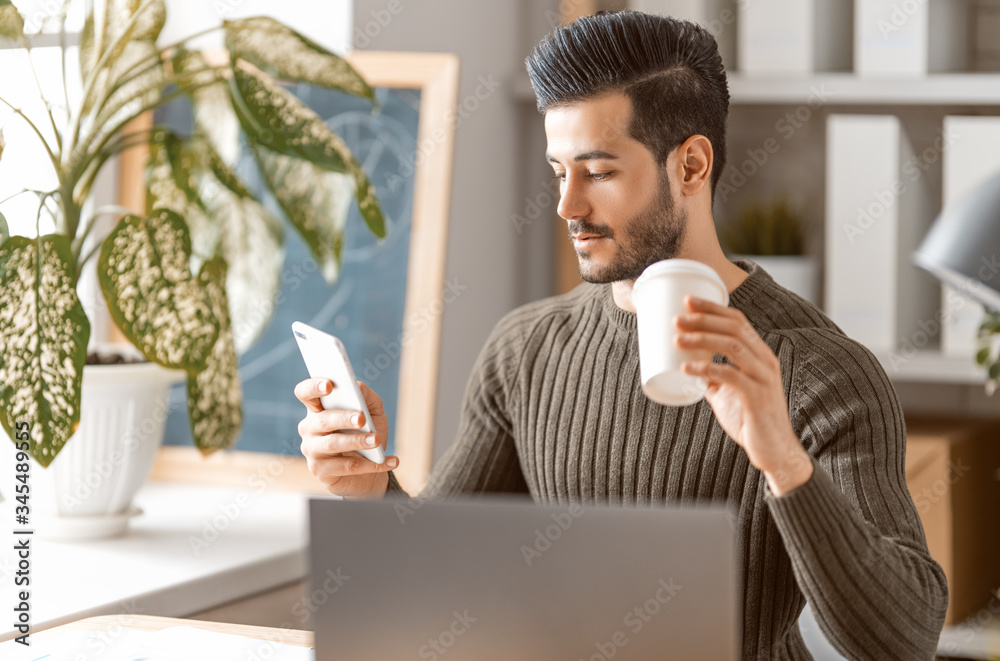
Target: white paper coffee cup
point(658, 296)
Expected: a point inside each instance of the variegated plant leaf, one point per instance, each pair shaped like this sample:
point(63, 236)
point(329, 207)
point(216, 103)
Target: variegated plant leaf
point(11, 22)
point(4, 230)
point(88, 47)
point(215, 395)
point(145, 276)
point(274, 119)
point(172, 183)
point(44, 333)
point(213, 109)
point(368, 204)
point(126, 98)
point(215, 164)
point(316, 202)
point(169, 160)
point(284, 53)
point(224, 218)
point(150, 22)
point(252, 244)
point(117, 32)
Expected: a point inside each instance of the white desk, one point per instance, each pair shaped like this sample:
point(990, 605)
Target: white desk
point(160, 567)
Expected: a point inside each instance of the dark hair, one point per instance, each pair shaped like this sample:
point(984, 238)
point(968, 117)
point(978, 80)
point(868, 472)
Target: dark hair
point(669, 68)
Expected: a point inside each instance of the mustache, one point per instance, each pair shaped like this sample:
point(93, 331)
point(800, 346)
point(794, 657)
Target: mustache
point(585, 227)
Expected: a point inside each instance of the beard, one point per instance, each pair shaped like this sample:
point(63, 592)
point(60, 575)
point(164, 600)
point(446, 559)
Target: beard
point(653, 234)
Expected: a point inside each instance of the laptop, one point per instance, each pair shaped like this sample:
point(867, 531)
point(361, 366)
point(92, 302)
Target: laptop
point(501, 578)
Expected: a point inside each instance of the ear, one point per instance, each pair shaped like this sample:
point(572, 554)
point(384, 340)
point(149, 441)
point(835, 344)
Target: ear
point(693, 164)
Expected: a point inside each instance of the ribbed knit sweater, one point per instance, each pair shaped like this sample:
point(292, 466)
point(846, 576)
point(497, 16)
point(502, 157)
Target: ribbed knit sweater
point(554, 408)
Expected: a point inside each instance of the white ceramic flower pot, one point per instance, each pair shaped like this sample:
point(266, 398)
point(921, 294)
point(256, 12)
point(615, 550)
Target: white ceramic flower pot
point(87, 490)
point(797, 273)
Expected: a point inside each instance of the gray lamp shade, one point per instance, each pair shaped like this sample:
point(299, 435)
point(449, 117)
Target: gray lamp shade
point(962, 248)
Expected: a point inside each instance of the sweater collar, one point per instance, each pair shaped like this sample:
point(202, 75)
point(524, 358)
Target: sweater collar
point(740, 298)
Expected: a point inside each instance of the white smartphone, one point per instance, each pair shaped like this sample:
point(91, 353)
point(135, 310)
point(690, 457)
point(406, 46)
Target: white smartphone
point(326, 358)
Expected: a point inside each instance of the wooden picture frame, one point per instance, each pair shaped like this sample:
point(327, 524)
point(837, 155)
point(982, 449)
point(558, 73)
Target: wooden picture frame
point(435, 75)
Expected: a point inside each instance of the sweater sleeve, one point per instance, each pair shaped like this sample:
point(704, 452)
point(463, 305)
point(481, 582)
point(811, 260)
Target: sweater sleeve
point(483, 457)
point(852, 532)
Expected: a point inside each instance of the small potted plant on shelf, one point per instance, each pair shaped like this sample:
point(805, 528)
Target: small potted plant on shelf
point(988, 353)
point(773, 235)
point(184, 279)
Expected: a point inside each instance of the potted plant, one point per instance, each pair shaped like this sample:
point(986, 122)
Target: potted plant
point(773, 235)
point(988, 353)
point(183, 282)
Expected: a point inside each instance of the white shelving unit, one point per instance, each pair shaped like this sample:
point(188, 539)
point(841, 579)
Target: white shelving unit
point(931, 367)
point(752, 96)
point(958, 89)
point(979, 89)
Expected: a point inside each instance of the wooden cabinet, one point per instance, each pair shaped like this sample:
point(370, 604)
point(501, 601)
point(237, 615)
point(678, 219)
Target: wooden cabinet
point(953, 473)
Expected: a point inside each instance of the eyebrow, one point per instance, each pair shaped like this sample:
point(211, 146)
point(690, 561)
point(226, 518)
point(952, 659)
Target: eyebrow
point(594, 155)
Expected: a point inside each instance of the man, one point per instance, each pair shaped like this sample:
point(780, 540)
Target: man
point(800, 429)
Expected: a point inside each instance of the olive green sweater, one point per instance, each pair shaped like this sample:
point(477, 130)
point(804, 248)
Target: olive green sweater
point(554, 408)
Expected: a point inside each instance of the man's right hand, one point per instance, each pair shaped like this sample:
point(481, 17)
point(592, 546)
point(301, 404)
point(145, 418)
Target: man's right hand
point(333, 457)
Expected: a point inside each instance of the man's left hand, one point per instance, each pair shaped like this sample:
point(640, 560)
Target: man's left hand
point(747, 396)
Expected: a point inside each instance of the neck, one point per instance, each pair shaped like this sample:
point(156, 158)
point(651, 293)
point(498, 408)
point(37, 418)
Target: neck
point(731, 274)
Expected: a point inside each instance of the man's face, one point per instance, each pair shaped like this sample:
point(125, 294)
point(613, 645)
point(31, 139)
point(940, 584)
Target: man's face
point(616, 199)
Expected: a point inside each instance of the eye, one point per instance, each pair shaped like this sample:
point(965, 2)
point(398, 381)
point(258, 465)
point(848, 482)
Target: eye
point(599, 176)
point(559, 176)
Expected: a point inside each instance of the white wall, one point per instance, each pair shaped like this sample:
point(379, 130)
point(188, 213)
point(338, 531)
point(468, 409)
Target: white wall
point(500, 267)
point(327, 23)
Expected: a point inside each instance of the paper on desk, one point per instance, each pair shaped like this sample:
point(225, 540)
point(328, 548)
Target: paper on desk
point(170, 644)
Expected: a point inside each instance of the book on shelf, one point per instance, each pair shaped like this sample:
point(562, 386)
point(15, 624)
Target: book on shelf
point(877, 211)
point(893, 38)
point(801, 37)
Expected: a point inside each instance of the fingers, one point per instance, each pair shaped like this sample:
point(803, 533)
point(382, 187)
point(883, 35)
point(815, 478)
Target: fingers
point(763, 370)
point(696, 304)
point(329, 469)
point(334, 444)
point(372, 400)
point(323, 422)
point(726, 331)
point(699, 321)
point(718, 373)
point(309, 391)
point(709, 316)
point(725, 345)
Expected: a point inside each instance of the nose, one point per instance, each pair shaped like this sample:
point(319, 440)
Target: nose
point(573, 203)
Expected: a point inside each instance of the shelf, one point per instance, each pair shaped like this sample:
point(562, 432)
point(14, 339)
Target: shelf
point(931, 367)
point(978, 89)
point(848, 88)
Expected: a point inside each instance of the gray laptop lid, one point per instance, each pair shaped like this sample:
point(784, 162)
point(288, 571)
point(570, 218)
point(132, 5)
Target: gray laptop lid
point(499, 578)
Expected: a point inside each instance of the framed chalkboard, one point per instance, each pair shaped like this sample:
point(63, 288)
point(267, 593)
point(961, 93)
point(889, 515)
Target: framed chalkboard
point(387, 301)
